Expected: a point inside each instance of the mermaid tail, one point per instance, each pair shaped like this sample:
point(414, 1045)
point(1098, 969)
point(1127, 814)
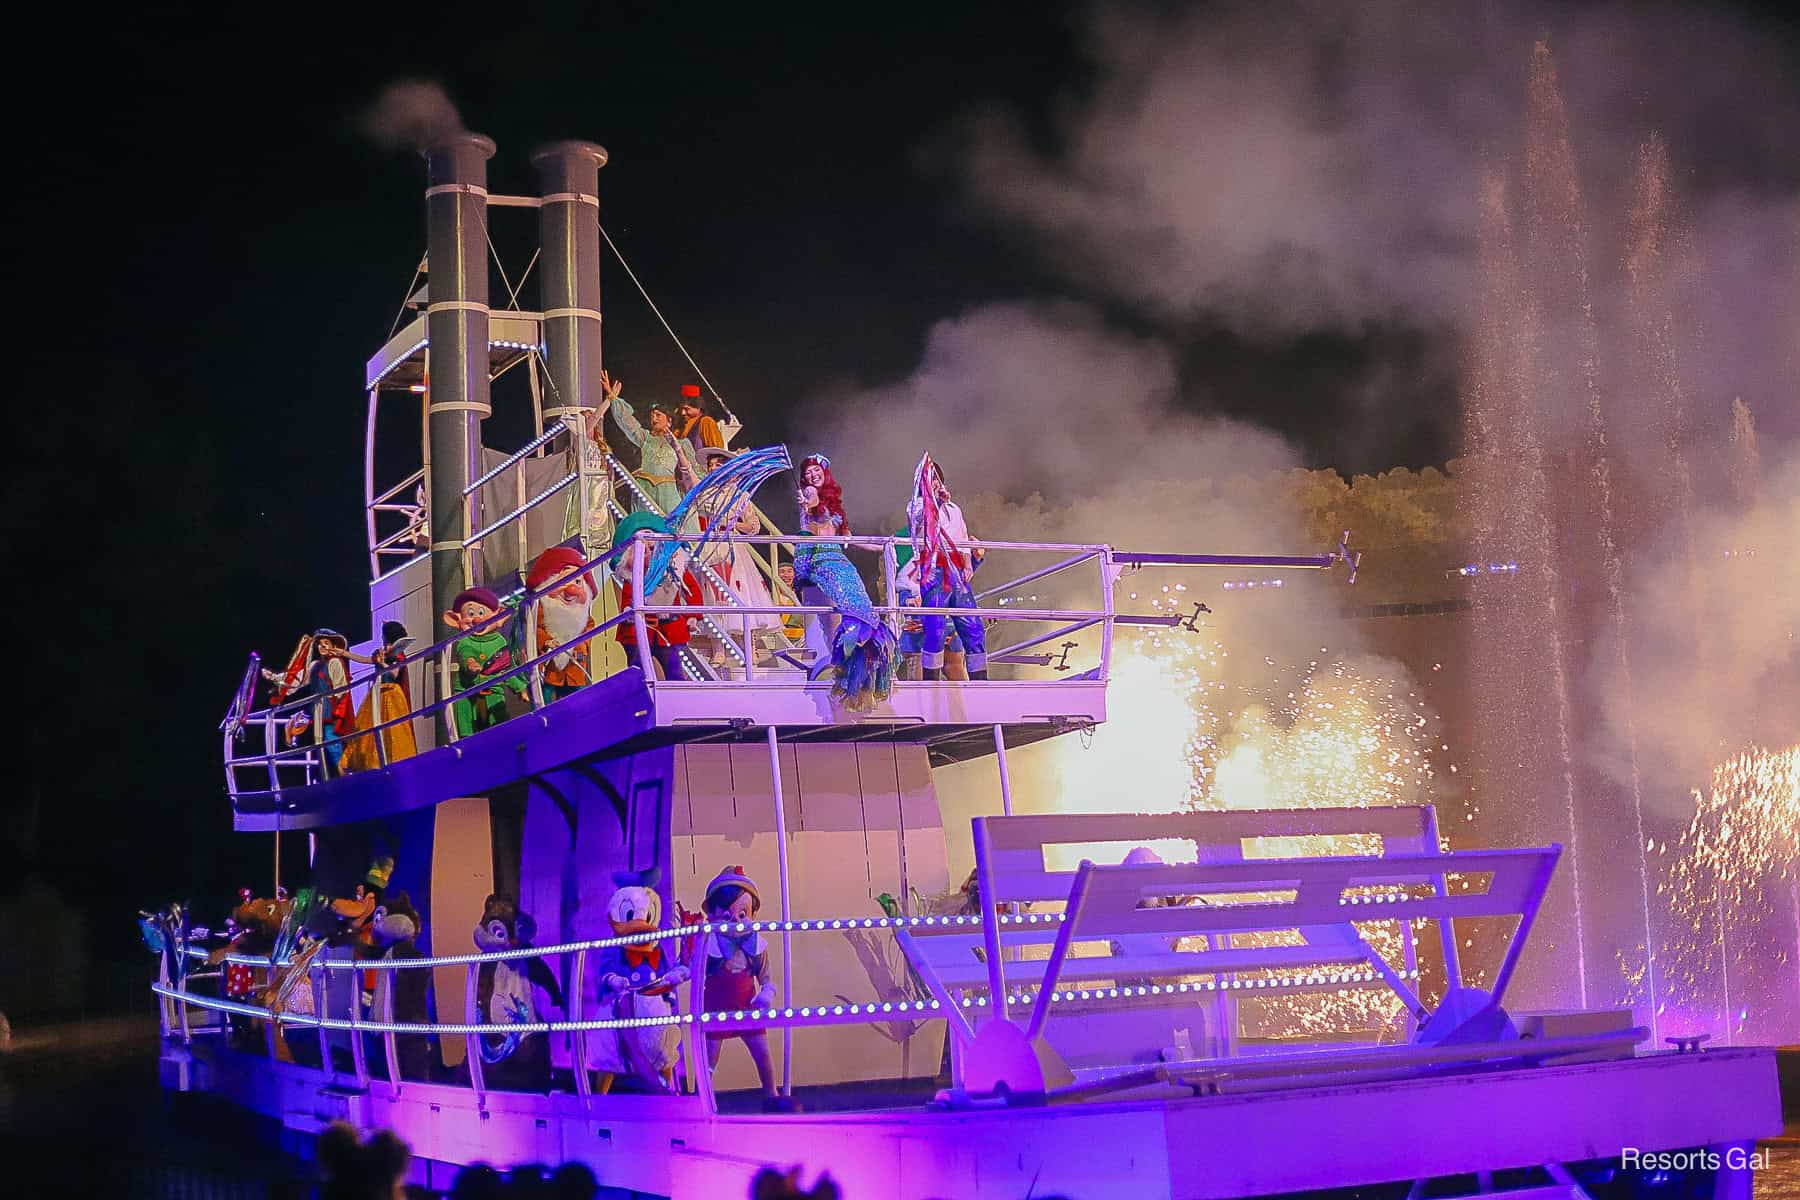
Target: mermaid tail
point(864, 657)
point(863, 648)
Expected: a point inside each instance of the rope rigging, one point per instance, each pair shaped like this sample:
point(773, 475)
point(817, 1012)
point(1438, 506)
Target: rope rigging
point(729, 415)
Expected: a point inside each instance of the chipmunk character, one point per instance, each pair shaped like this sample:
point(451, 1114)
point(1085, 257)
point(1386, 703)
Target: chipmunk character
point(396, 930)
point(637, 980)
point(513, 991)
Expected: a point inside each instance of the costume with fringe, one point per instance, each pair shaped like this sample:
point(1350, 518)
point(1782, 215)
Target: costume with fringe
point(862, 648)
point(943, 569)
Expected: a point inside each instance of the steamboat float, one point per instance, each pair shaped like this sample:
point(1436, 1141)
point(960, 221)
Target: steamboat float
point(1073, 1021)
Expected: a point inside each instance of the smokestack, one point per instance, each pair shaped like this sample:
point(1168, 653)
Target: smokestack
point(570, 231)
point(457, 324)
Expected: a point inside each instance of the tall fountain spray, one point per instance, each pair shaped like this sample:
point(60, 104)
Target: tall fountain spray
point(1519, 676)
point(1657, 264)
point(1566, 383)
point(1543, 491)
point(1743, 465)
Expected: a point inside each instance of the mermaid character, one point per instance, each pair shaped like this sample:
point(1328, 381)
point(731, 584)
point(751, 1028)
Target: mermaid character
point(856, 643)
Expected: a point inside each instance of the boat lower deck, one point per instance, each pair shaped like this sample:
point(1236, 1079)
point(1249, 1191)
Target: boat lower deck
point(1300, 1137)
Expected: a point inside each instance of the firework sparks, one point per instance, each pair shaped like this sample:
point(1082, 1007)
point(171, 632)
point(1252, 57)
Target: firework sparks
point(1193, 728)
point(1731, 887)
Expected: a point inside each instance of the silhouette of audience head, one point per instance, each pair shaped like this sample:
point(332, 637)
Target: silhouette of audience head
point(771, 1184)
point(352, 1169)
point(478, 1182)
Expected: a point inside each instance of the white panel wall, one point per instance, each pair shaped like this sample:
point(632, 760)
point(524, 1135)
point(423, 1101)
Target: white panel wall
point(860, 821)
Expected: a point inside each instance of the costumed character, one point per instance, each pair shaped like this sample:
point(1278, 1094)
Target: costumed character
point(252, 928)
point(693, 426)
point(513, 991)
point(737, 969)
point(795, 626)
point(736, 563)
point(289, 987)
point(395, 929)
point(588, 514)
point(167, 934)
point(348, 927)
point(637, 981)
point(860, 646)
point(665, 462)
point(389, 699)
point(667, 634)
point(318, 669)
point(912, 627)
point(565, 611)
point(665, 570)
point(355, 913)
point(939, 535)
point(481, 653)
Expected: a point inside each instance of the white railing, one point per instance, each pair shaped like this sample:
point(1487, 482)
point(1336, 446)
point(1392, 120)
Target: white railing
point(273, 768)
point(694, 1020)
point(912, 1002)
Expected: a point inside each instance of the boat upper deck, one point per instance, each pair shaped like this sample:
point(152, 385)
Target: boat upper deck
point(399, 754)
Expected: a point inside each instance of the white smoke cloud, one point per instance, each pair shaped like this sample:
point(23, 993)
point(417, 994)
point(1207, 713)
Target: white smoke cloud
point(1317, 166)
point(1715, 642)
point(411, 113)
point(1032, 398)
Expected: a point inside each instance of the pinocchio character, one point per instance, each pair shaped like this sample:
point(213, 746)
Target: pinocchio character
point(737, 968)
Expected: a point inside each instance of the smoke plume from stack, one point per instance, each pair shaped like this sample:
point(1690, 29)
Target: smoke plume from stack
point(413, 113)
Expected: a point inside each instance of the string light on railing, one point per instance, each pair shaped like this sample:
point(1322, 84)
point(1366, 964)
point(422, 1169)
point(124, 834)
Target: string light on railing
point(1240, 585)
point(400, 361)
point(1493, 568)
point(817, 924)
point(1316, 978)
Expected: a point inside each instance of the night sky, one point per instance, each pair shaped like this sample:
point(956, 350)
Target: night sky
point(207, 247)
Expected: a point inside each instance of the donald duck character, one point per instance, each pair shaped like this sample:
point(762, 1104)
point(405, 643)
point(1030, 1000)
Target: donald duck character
point(637, 979)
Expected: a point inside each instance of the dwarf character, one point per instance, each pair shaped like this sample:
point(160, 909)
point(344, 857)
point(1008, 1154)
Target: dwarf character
point(565, 611)
point(668, 635)
point(637, 980)
point(481, 654)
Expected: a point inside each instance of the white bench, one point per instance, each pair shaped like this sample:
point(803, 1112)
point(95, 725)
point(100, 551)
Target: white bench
point(1318, 898)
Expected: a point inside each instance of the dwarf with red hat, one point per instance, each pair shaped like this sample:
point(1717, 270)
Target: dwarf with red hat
point(737, 968)
point(565, 611)
point(668, 634)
